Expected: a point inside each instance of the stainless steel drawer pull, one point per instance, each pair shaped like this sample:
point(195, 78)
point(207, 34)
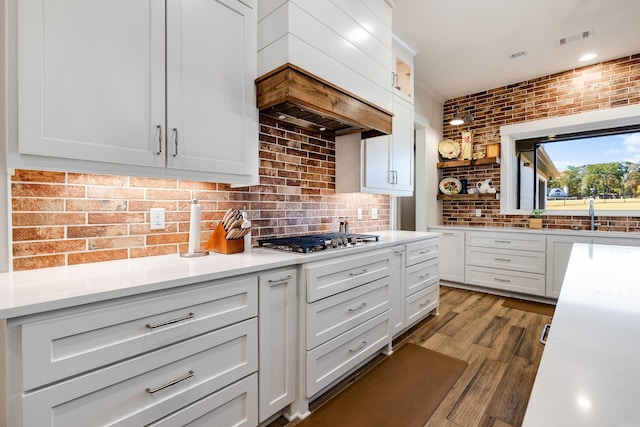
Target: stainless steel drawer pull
point(169, 322)
point(545, 330)
point(424, 276)
point(284, 279)
point(175, 142)
point(360, 307)
point(170, 383)
point(497, 279)
point(358, 273)
point(502, 241)
point(398, 252)
point(425, 252)
point(358, 348)
point(426, 303)
point(447, 234)
point(159, 139)
point(503, 259)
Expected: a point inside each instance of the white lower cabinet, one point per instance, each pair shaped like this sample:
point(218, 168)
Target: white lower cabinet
point(165, 358)
point(422, 281)
point(558, 252)
point(451, 261)
point(347, 316)
point(506, 261)
point(397, 279)
point(278, 326)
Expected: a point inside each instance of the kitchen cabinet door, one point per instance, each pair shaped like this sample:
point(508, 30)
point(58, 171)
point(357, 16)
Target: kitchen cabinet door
point(451, 267)
point(277, 342)
point(388, 160)
point(558, 253)
point(397, 278)
point(211, 68)
point(91, 80)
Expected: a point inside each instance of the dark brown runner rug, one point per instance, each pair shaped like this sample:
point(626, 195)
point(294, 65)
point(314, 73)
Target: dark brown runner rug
point(534, 307)
point(403, 390)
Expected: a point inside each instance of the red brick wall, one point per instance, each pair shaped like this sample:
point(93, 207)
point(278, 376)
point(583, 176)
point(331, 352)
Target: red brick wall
point(606, 85)
point(62, 218)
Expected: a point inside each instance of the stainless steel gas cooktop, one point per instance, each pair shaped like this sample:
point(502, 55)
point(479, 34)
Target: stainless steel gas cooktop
point(317, 242)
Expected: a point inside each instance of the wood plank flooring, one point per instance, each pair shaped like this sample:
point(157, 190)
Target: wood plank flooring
point(501, 347)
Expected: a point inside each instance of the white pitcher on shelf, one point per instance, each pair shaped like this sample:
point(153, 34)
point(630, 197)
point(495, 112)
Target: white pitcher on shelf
point(484, 187)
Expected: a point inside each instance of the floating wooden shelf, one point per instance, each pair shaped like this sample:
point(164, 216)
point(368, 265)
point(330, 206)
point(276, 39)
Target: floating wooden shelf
point(462, 163)
point(468, 196)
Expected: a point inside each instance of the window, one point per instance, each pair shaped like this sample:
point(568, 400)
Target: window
point(533, 167)
point(562, 172)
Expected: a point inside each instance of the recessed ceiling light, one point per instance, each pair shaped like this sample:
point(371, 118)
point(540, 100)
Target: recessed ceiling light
point(587, 57)
point(517, 54)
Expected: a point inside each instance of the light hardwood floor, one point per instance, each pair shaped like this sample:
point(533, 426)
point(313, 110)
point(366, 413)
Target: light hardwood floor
point(501, 347)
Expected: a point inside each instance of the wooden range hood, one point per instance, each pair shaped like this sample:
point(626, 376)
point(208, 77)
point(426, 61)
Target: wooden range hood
point(308, 101)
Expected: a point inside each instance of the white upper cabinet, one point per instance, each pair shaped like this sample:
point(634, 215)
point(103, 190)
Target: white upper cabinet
point(402, 77)
point(97, 83)
point(389, 159)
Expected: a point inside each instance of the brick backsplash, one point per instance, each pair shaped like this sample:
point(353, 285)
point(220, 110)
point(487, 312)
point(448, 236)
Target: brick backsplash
point(64, 218)
point(606, 85)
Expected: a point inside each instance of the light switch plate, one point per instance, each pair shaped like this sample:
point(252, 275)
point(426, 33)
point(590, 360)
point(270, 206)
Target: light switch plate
point(374, 213)
point(156, 219)
point(359, 213)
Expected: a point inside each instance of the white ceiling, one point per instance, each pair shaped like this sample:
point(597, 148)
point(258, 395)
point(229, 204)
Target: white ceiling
point(463, 46)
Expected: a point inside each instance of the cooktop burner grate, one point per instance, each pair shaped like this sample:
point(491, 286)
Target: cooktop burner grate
point(317, 242)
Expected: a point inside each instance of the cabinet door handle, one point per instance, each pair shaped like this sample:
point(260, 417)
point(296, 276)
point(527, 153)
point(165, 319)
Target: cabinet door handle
point(426, 303)
point(503, 259)
point(390, 177)
point(545, 330)
point(159, 140)
point(425, 252)
point(359, 273)
point(501, 280)
point(424, 276)
point(175, 142)
point(360, 307)
point(283, 279)
point(398, 252)
point(358, 348)
point(503, 241)
point(170, 383)
point(169, 322)
point(447, 234)
point(395, 177)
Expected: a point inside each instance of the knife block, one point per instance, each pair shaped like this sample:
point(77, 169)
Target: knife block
point(218, 243)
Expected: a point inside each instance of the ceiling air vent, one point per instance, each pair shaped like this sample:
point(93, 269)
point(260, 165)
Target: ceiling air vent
point(574, 37)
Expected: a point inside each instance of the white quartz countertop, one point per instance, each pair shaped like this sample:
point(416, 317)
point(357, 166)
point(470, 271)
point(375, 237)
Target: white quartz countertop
point(35, 291)
point(589, 374)
point(543, 231)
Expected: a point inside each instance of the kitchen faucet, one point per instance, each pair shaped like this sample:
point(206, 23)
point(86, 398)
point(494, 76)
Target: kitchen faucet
point(592, 214)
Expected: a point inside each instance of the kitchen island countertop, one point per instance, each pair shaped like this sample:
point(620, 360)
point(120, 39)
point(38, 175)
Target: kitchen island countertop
point(35, 291)
point(589, 374)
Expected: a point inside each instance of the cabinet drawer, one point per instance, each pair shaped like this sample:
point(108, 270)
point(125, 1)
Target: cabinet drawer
point(421, 251)
point(500, 240)
point(232, 406)
point(144, 389)
point(326, 278)
point(335, 358)
point(420, 304)
point(65, 346)
point(504, 259)
point(337, 314)
point(420, 276)
point(526, 283)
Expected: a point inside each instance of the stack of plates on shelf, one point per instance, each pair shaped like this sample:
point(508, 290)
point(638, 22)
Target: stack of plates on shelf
point(449, 149)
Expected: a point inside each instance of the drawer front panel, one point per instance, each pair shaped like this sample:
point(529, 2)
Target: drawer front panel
point(69, 345)
point(528, 261)
point(337, 314)
point(231, 406)
point(519, 241)
point(330, 361)
point(326, 278)
point(144, 389)
point(420, 276)
point(420, 304)
point(526, 283)
point(422, 251)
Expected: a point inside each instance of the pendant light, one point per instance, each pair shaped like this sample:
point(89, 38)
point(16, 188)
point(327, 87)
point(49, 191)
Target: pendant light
point(458, 119)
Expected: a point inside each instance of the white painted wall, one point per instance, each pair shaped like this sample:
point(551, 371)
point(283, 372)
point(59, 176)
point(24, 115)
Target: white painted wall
point(428, 114)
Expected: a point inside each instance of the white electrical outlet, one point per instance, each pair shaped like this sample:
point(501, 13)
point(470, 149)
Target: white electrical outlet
point(359, 213)
point(157, 219)
point(374, 213)
point(478, 212)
